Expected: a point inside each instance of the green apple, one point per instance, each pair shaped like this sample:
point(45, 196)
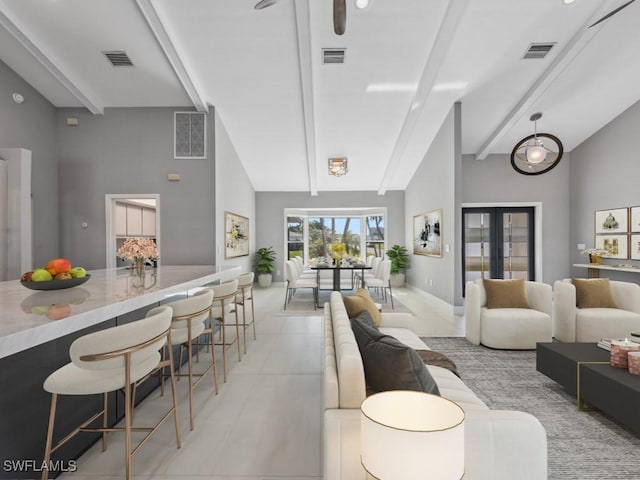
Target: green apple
point(41, 275)
point(78, 272)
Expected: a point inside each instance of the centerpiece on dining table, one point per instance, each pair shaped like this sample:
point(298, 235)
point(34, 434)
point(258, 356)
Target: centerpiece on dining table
point(338, 252)
point(138, 251)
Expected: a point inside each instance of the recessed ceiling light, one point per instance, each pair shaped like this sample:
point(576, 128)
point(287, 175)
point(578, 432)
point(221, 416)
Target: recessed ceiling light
point(362, 3)
point(567, 2)
point(391, 87)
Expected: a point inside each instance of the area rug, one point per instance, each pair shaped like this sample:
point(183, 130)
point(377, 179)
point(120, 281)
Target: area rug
point(302, 303)
point(581, 445)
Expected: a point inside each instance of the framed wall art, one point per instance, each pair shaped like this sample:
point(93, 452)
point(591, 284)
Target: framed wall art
point(616, 245)
point(611, 221)
point(634, 222)
point(427, 238)
point(634, 247)
point(236, 235)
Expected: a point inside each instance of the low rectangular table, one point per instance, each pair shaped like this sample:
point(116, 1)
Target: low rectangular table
point(584, 370)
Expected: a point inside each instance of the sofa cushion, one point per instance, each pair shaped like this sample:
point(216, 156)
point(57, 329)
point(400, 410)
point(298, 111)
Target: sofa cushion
point(593, 293)
point(505, 293)
point(389, 364)
point(361, 301)
point(365, 317)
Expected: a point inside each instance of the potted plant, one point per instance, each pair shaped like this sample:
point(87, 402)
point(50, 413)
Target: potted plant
point(265, 265)
point(399, 257)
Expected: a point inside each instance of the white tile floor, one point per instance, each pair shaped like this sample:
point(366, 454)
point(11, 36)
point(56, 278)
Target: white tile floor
point(266, 422)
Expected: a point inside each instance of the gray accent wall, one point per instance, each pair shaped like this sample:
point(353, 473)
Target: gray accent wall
point(433, 187)
point(235, 194)
point(270, 206)
point(605, 173)
point(128, 151)
point(30, 125)
point(493, 180)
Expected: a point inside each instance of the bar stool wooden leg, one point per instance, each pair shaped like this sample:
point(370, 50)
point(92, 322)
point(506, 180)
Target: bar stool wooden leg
point(47, 449)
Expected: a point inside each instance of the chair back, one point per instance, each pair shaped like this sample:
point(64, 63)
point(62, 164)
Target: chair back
point(195, 309)
point(299, 264)
point(368, 260)
point(224, 290)
point(384, 270)
point(245, 284)
point(375, 263)
point(292, 271)
point(142, 338)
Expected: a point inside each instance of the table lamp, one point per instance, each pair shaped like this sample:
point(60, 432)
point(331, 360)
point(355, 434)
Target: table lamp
point(407, 435)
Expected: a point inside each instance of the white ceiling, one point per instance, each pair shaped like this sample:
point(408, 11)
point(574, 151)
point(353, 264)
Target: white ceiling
point(286, 112)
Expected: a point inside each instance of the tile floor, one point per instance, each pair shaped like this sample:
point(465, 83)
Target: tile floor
point(266, 422)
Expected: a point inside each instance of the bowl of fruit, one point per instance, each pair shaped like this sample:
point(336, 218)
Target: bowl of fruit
point(56, 275)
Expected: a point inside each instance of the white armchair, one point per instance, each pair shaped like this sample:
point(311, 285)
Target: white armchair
point(508, 328)
point(572, 324)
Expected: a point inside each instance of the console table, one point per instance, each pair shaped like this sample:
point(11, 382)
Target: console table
point(593, 269)
point(32, 345)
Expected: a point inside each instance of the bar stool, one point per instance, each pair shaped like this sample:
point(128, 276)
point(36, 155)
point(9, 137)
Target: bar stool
point(245, 286)
point(224, 305)
point(187, 325)
point(109, 360)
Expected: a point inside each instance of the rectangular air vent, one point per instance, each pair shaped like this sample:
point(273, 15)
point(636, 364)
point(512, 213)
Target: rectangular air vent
point(538, 50)
point(118, 59)
point(190, 139)
point(333, 55)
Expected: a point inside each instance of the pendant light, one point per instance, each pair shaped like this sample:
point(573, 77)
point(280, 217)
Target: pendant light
point(537, 153)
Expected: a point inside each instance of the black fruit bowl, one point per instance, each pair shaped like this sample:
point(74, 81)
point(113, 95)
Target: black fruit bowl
point(56, 284)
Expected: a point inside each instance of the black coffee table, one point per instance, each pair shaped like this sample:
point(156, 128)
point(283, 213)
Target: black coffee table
point(584, 370)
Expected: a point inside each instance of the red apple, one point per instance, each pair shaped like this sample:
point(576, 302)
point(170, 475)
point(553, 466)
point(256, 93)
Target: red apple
point(62, 276)
point(26, 277)
point(58, 265)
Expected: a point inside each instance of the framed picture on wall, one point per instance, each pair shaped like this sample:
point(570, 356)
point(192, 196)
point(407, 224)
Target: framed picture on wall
point(236, 235)
point(634, 247)
point(616, 245)
point(634, 221)
point(613, 220)
point(427, 238)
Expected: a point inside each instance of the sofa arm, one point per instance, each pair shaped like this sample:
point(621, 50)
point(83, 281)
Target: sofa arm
point(398, 320)
point(503, 445)
point(472, 308)
point(564, 311)
point(539, 296)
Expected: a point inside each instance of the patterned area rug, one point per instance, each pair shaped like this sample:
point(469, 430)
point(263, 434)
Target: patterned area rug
point(581, 445)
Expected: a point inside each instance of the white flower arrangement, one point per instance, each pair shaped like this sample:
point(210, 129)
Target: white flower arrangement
point(138, 248)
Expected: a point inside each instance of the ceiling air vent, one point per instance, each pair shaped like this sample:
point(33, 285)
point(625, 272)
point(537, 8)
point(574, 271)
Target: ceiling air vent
point(118, 59)
point(333, 55)
point(538, 50)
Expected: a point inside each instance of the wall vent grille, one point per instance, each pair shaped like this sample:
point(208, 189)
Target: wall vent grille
point(333, 55)
point(190, 135)
point(537, 50)
point(118, 59)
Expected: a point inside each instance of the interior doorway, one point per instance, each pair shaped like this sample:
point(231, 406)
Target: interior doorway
point(130, 215)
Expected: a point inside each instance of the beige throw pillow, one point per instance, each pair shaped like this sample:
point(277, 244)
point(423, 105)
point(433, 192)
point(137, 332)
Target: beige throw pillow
point(593, 293)
point(505, 294)
point(361, 301)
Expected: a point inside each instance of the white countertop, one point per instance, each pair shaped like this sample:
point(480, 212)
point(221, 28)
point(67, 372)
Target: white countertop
point(26, 318)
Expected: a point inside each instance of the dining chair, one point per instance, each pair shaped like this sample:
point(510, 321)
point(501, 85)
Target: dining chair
point(382, 280)
point(293, 283)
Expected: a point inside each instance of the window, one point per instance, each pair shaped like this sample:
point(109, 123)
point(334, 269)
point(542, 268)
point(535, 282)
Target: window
point(375, 235)
point(324, 231)
point(295, 237)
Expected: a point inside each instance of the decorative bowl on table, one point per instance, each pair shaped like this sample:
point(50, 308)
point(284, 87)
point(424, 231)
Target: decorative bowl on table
point(56, 284)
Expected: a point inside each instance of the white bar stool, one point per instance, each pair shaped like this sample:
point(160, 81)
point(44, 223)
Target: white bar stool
point(245, 287)
point(223, 305)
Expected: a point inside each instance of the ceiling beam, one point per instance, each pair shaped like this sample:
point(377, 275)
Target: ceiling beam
point(561, 61)
point(150, 14)
point(19, 32)
point(444, 39)
point(303, 32)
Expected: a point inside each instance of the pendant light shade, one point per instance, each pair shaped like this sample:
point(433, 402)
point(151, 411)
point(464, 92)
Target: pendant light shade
point(537, 153)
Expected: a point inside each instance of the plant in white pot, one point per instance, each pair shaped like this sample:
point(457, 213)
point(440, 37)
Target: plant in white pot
point(265, 265)
point(399, 257)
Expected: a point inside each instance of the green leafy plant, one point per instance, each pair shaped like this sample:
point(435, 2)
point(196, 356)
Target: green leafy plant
point(399, 257)
point(265, 260)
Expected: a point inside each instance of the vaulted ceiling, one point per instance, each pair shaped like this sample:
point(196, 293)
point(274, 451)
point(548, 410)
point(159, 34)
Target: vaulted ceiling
point(406, 62)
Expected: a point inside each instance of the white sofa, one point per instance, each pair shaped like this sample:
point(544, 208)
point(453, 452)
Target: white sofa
point(508, 328)
point(499, 444)
point(572, 324)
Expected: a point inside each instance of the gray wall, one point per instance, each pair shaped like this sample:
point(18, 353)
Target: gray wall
point(605, 173)
point(125, 151)
point(234, 193)
point(31, 126)
point(494, 180)
point(432, 187)
point(270, 215)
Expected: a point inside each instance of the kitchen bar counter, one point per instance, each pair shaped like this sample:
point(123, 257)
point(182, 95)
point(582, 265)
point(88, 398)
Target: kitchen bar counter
point(25, 321)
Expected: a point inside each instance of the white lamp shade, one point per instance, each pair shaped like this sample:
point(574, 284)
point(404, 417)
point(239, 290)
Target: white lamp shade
point(407, 435)
point(536, 154)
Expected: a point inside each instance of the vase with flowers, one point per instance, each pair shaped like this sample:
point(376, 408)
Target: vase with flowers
point(138, 251)
point(595, 255)
point(338, 251)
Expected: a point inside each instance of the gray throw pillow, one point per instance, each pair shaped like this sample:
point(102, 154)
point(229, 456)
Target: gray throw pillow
point(365, 317)
point(390, 364)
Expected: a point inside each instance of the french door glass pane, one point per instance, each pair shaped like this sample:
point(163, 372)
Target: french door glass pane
point(516, 245)
point(477, 246)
